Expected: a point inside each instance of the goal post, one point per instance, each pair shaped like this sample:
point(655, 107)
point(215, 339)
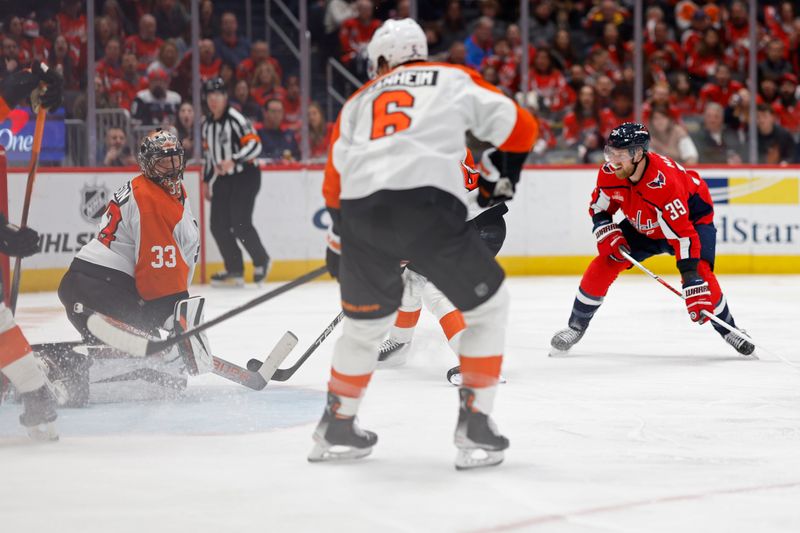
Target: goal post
point(5, 264)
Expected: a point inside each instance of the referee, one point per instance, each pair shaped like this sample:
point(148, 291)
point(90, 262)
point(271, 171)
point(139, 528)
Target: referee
point(232, 179)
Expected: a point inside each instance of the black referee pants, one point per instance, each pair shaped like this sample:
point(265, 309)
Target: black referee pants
point(232, 203)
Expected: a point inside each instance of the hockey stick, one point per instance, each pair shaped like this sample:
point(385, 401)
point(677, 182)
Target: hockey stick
point(38, 132)
point(709, 315)
point(283, 374)
point(119, 336)
point(222, 368)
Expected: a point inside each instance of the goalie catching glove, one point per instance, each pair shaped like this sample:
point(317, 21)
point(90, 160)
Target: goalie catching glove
point(499, 175)
point(16, 241)
point(18, 86)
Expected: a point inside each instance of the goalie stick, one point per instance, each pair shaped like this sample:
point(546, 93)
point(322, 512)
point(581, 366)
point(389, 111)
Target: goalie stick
point(283, 374)
point(223, 368)
point(120, 336)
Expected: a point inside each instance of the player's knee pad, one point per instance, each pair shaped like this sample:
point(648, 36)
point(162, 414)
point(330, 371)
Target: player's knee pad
point(486, 326)
point(356, 351)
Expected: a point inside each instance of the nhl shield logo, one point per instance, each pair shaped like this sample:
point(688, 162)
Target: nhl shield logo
point(94, 200)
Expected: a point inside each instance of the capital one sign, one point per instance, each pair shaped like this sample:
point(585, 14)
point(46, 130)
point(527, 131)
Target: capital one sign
point(16, 136)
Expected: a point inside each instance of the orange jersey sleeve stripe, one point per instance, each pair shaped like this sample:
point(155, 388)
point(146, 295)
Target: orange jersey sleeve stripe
point(349, 386)
point(13, 346)
point(247, 138)
point(407, 319)
point(480, 372)
point(452, 323)
point(524, 134)
point(332, 183)
point(4, 109)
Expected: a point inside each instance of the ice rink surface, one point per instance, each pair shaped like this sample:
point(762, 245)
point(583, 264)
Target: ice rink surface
point(652, 424)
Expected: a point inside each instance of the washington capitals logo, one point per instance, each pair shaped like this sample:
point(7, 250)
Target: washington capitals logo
point(658, 182)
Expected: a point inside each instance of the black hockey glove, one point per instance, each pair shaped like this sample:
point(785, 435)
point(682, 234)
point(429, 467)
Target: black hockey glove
point(500, 173)
point(334, 250)
point(16, 241)
point(18, 86)
point(53, 96)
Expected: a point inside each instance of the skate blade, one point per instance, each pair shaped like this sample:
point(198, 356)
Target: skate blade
point(325, 453)
point(471, 458)
point(43, 432)
point(455, 379)
point(555, 352)
point(233, 284)
point(396, 359)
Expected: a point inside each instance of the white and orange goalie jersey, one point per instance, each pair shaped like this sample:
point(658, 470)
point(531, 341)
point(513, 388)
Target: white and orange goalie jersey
point(414, 105)
point(149, 235)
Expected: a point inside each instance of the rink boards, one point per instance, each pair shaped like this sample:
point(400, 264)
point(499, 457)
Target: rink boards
point(549, 230)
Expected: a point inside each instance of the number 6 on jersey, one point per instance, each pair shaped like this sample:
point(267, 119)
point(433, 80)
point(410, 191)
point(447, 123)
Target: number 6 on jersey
point(386, 119)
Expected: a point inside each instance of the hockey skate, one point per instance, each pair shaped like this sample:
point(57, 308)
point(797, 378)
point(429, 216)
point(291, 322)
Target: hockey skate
point(260, 273)
point(227, 279)
point(454, 376)
point(68, 372)
point(740, 344)
point(478, 442)
point(564, 340)
point(392, 353)
point(340, 439)
point(39, 414)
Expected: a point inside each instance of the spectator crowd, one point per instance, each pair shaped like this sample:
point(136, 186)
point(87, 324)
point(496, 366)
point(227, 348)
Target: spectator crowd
point(580, 68)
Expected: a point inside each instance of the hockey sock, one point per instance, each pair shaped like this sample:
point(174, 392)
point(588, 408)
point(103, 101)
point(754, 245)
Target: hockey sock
point(481, 374)
point(349, 389)
point(583, 309)
point(355, 357)
point(481, 348)
point(18, 362)
point(721, 309)
point(450, 319)
point(403, 328)
point(452, 324)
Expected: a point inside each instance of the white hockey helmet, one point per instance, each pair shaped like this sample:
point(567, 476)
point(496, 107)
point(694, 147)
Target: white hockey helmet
point(397, 41)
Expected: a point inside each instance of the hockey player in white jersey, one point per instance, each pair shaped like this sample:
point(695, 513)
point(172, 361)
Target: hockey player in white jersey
point(491, 227)
point(139, 266)
point(395, 193)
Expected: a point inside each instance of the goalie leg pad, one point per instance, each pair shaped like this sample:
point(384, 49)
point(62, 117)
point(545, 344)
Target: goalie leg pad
point(194, 351)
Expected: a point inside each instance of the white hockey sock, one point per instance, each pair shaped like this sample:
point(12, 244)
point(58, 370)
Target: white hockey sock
point(25, 373)
point(484, 399)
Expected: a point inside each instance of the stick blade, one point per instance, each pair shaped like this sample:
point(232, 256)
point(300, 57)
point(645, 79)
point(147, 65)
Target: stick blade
point(278, 355)
point(118, 334)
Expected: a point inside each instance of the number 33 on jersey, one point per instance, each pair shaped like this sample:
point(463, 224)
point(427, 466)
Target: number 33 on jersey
point(150, 236)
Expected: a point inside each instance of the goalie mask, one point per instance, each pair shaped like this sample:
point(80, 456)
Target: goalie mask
point(161, 159)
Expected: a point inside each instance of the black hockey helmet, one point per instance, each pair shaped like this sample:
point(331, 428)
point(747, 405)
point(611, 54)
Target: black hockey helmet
point(628, 136)
point(214, 85)
point(162, 160)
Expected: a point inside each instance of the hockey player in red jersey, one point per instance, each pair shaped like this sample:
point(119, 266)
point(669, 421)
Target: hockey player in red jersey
point(17, 360)
point(395, 193)
point(667, 209)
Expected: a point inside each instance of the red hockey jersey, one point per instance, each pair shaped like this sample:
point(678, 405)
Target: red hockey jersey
point(666, 203)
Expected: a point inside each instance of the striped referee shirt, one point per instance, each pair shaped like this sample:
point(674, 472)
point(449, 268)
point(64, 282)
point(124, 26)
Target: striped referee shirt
point(230, 137)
